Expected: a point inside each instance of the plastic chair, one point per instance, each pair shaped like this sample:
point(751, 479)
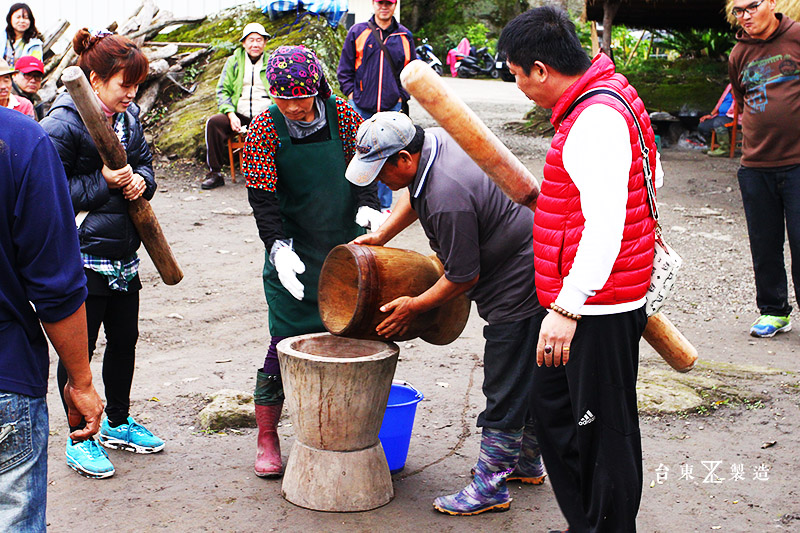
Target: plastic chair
point(735, 127)
point(236, 144)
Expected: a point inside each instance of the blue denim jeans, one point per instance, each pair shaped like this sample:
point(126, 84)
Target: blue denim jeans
point(384, 192)
point(771, 198)
point(23, 463)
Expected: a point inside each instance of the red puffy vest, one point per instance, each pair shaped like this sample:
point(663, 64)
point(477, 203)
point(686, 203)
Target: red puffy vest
point(559, 222)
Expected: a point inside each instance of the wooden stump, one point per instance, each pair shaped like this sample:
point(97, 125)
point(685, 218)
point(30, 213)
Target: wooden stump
point(336, 392)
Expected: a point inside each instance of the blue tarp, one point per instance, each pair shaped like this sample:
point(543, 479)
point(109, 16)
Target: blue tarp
point(332, 10)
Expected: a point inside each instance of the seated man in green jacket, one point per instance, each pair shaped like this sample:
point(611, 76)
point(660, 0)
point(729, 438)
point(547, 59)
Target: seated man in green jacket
point(242, 93)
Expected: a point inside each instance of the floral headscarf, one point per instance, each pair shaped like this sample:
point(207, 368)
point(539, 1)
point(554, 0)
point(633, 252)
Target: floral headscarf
point(295, 72)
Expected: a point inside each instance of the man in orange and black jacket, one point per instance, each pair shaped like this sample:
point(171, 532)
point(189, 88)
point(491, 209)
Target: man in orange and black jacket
point(365, 75)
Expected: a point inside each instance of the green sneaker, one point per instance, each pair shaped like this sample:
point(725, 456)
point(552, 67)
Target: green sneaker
point(769, 325)
point(719, 152)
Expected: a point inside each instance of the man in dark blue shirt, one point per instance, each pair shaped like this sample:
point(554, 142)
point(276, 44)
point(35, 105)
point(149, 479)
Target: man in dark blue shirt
point(41, 279)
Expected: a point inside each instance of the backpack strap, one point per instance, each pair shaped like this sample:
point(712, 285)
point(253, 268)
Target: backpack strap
point(374, 28)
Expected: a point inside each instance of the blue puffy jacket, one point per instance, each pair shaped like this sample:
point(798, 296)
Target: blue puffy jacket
point(108, 230)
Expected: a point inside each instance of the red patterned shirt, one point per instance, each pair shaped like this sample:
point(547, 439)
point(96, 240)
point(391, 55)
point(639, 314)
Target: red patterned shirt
point(262, 143)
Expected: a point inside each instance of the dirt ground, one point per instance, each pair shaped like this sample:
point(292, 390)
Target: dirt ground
point(707, 470)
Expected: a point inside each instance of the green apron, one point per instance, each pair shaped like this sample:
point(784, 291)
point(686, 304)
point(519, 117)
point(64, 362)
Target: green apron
point(318, 209)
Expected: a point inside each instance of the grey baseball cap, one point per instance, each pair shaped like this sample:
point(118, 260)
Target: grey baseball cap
point(380, 136)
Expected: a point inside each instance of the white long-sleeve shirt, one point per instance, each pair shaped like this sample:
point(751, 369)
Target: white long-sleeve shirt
point(597, 156)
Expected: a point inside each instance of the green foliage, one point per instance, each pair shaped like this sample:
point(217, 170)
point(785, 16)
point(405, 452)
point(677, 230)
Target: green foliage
point(687, 81)
point(177, 124)
point(715, 44)
point(190, 73)
point(758, 404)
point(445, 22)
point(223, 32)
point(156, 115)
point(681, 84)
point(477, 33)
point(584, 31)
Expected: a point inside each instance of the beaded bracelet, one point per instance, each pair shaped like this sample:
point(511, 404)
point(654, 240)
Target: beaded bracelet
point(561, 311)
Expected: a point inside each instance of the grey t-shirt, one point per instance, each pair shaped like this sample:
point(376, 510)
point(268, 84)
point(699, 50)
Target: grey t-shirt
point(475, 229)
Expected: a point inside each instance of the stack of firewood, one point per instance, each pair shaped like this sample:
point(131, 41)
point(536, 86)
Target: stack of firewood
point(166, 62)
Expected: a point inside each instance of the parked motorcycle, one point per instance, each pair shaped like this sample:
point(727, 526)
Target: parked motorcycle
point(480, 64)
point(425, 53)
point(502, 67)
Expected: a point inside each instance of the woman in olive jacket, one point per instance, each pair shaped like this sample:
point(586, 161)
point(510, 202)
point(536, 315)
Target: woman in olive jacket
point(109, 240)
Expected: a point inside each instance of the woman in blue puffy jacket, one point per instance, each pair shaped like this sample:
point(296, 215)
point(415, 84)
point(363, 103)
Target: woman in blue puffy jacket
point(115, 67)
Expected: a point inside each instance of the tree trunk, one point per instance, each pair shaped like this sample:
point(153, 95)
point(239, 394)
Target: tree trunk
point(414, 22)
point(595, 42)
point(610, 8)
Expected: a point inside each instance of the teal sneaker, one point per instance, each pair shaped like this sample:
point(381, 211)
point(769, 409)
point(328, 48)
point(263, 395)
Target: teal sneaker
point(88, 459)
point(769, 325)
point(131, 437)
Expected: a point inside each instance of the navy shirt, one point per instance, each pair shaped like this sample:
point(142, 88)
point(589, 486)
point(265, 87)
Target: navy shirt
point(475, 230)
point(41, 274)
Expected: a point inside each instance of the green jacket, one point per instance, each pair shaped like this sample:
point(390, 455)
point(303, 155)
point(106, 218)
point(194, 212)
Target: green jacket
point(229, 87)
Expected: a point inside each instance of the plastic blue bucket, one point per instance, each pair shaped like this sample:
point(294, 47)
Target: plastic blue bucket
point(397, 423)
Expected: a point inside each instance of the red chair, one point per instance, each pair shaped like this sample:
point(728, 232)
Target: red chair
point(236, 144)
point(734, 126)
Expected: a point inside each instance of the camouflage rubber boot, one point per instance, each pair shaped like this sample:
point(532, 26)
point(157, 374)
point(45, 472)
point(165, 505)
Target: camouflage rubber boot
point(530, 468)
point(268, 398)
point(487, 491)
point(723, 136)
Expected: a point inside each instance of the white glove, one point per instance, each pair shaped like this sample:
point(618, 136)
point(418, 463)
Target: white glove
point(288, 265)
point(370, 218)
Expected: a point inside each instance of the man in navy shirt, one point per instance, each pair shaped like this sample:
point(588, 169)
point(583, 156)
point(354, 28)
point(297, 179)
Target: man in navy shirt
point(41, 279)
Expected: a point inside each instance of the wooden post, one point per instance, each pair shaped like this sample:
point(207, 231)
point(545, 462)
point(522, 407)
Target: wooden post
point(595, 42)
point(633, 52)
point(114, 157)
point(51, 38)
point(610, 8)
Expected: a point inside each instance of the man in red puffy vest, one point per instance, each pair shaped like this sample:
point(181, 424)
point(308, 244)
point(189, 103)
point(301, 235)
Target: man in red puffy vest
point(593, 244)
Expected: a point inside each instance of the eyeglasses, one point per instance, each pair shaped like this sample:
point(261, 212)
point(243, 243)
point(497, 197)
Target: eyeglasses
point(739, 12)
point(33, 76)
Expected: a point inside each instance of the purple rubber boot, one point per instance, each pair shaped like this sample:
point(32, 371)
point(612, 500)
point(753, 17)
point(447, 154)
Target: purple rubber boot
point(530, 468)
point(487, 491)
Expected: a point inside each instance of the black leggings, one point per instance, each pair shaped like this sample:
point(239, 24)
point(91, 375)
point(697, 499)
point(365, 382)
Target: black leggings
point(119, 314)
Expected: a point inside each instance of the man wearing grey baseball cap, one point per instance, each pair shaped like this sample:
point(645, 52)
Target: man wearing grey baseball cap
point(484, 241)
point(242, 93)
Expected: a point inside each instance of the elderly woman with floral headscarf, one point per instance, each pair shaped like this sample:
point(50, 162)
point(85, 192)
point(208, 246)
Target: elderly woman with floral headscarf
point(294, 161)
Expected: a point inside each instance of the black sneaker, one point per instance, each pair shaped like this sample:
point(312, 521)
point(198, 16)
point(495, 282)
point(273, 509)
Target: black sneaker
point(213, 180)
